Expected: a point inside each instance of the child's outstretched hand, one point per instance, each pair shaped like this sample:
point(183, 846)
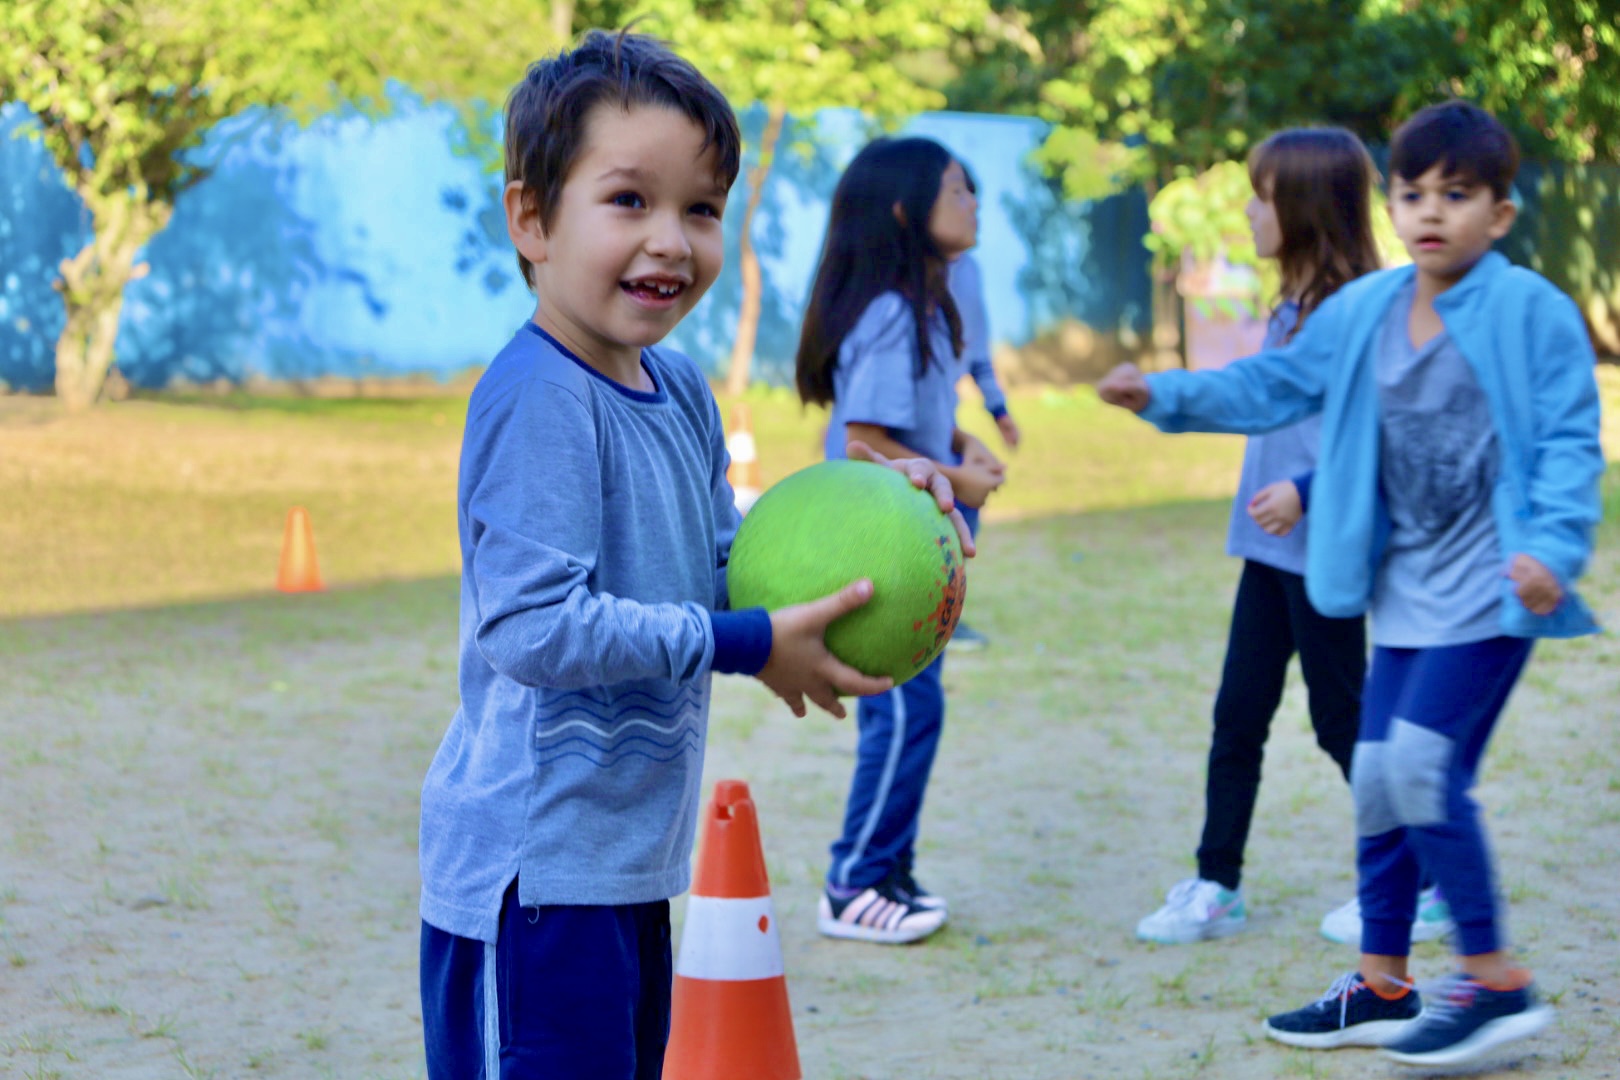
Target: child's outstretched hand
point(925, 475)
point(1276, 508)
point(1538, 587)
point(800, 666)
point(1125, 387)
point(1009, 430)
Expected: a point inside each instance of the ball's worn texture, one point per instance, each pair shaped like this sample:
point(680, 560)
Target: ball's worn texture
point(833, 523)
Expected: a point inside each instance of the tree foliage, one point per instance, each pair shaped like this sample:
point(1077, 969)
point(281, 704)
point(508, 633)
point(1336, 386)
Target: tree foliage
point(126, 91)
point(1184, 84)
point(1552, 64)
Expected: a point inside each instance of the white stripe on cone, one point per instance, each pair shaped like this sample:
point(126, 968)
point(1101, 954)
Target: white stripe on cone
point(730, 939)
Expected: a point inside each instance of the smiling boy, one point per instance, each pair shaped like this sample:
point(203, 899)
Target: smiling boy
point(1454, 500)
point(595, 523)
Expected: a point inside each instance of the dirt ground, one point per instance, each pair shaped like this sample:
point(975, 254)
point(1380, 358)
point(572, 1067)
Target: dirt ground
point(208, 808)
point(207, 850)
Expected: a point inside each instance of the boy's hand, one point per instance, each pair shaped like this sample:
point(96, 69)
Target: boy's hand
point(1125, 387)
point(1009, 430)
point(925, 475)
point(800, 666)
point(1276, 508)
point(1538, 588)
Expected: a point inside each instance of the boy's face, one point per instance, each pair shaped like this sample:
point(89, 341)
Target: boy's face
point(1447, 222)
point(636, 239)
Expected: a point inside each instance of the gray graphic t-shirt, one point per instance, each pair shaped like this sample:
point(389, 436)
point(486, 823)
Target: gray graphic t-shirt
point(1441, 579)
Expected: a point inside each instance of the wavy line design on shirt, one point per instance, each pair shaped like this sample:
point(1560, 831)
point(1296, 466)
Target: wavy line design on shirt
point(607, 736)
point(617, 700)
point(600, 763)
point(610, 722)
point(688, 738)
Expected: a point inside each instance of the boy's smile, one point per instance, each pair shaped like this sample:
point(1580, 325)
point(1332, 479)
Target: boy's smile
point(1447, 222)
point(635, 241)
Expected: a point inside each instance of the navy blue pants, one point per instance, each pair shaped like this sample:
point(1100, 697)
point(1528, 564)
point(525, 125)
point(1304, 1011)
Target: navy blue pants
point(581, 993)
point(1426, 717)
point(899, 733)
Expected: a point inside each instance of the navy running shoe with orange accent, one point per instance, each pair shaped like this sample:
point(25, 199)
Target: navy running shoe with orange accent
point(1466, 1020)
point(1347, 1014)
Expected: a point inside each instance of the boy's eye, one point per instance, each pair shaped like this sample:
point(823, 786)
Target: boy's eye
point(628, 199)
point(704, 209)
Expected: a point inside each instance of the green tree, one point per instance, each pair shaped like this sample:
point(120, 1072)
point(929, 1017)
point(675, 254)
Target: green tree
point(126, 90)
point(1188, 83)
point(1195, 82)
point(1554, 65)
point(796, 57)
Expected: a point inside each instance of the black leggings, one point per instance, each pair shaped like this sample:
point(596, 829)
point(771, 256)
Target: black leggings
point(1271, 620)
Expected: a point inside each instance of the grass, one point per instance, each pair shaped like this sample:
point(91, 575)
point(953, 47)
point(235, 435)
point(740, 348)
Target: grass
point(222, 781)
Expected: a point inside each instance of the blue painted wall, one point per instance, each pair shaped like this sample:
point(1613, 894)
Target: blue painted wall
point(370, 248)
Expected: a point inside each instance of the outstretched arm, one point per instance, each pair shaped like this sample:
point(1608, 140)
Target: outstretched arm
point(1260, 393)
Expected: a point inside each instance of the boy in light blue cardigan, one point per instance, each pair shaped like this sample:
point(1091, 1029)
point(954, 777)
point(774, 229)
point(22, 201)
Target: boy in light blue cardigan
point(1454, 499)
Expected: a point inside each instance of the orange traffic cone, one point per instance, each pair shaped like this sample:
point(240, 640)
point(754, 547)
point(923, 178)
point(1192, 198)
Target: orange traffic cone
point(298, 572)
point(743, 476)
point(730, 1015)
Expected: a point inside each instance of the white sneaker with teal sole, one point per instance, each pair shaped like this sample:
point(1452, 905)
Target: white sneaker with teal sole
point(1195, 910)
point(1433, 922)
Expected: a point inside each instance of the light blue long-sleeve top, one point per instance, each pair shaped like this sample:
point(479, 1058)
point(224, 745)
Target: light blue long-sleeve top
point(595, 524)
point(1526, 344)
point(964, 279)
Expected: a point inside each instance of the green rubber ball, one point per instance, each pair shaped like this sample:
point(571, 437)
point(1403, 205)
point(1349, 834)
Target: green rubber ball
point(823, 527)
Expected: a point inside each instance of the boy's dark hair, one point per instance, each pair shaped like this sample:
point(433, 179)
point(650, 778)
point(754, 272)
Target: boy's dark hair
point(545, 113)
point(870, 251)
point(1463, 139)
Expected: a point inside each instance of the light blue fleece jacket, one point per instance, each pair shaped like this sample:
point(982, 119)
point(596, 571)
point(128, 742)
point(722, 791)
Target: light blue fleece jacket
point(1526, 344)
point(595, 527)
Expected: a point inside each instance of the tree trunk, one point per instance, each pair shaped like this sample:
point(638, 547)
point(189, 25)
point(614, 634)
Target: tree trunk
point(562, 22)
point(753, 286)
point(1166, 351)
point(92, 288)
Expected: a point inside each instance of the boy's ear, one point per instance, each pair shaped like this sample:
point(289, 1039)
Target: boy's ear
point(523, 223)
point(1503, 215)
point(899, 214)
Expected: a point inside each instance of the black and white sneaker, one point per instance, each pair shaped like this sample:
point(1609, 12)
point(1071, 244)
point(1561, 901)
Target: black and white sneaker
point(1348, 1014)
point(908, 887)
point(880, 914)
point(1466, 1020)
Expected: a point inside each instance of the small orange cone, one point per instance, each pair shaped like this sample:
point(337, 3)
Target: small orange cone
point(299, 571)
point(743, 476)
point(730, 1015)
